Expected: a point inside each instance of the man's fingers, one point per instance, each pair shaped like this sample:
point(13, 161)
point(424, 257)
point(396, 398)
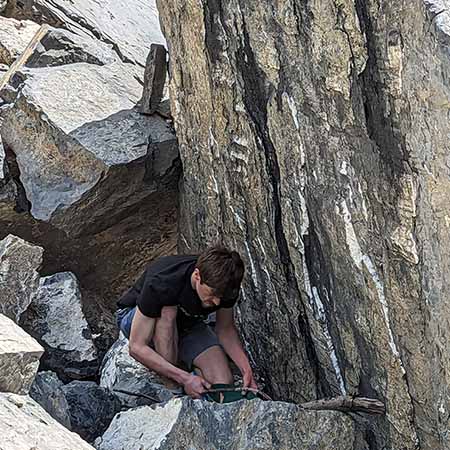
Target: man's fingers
point(206, 384)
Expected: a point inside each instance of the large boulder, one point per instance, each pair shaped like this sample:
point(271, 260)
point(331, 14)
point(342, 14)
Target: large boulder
point(19, 357)
point(131, 27)
point(47, 391)
point(120, 371)
point(46, 130)
point(25, 425)
point(244, 425)
point(68, 144)
point(19, 264)
point(56, 319)
point(91, 408)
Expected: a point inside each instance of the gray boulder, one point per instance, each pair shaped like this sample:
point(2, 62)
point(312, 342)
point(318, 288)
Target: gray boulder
point(19, 357)
point(121, 371)
point(25, 425)
point(68, 143)
point(56, 169)
point(57, 320)
point(246, 425)
point(47, 391)
point(91, 408)
point(19, 279)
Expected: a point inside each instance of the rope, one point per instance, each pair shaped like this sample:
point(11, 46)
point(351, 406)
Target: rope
point(135, 394)
point(239, 389)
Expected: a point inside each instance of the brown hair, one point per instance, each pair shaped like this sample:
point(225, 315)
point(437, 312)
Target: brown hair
point(222, 270)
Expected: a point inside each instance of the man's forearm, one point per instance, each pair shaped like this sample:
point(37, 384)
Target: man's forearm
point(154, 361)
point(230, 341)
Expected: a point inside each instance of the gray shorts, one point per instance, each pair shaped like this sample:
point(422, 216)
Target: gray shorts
point(191, 343)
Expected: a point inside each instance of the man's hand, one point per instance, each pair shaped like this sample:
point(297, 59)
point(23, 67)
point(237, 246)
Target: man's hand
point(248, 379)
point(195, 386)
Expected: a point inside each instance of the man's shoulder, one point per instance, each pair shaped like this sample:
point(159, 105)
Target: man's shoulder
point(168, 274)
point(169, 263)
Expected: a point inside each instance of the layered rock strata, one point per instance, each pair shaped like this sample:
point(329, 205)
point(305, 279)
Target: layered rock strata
point(314, 139)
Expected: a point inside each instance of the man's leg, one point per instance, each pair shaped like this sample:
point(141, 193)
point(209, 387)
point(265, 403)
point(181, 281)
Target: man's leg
point(165, 337)
point(200, 347)
point(214, 366)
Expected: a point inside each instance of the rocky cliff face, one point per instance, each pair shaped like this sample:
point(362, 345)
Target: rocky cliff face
point(315, 137)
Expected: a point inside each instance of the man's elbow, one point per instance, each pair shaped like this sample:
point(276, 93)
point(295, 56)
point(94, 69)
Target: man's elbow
point(134, 350)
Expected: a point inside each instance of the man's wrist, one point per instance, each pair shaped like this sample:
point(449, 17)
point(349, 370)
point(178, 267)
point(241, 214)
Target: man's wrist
point(246, 368)
point(181, 376)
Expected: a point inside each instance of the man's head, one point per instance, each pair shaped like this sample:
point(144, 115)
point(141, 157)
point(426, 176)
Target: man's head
point(218, 275)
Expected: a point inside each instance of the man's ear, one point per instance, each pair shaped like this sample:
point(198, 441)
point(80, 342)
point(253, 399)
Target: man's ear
point(197, 276)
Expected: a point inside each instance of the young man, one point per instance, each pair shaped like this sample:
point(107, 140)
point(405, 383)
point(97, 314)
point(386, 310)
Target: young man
point(163, 315)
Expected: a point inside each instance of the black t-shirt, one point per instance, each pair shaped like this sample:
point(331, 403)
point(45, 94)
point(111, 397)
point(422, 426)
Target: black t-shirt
point(167, 282)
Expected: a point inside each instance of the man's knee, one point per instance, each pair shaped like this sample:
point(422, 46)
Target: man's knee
point(214, 365)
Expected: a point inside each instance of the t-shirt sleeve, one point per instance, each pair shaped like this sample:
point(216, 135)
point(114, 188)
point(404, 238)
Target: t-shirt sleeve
point(153, 297)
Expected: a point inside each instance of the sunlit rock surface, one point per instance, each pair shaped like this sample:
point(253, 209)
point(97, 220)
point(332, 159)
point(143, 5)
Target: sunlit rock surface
point(14, 37)
point(26, 426)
